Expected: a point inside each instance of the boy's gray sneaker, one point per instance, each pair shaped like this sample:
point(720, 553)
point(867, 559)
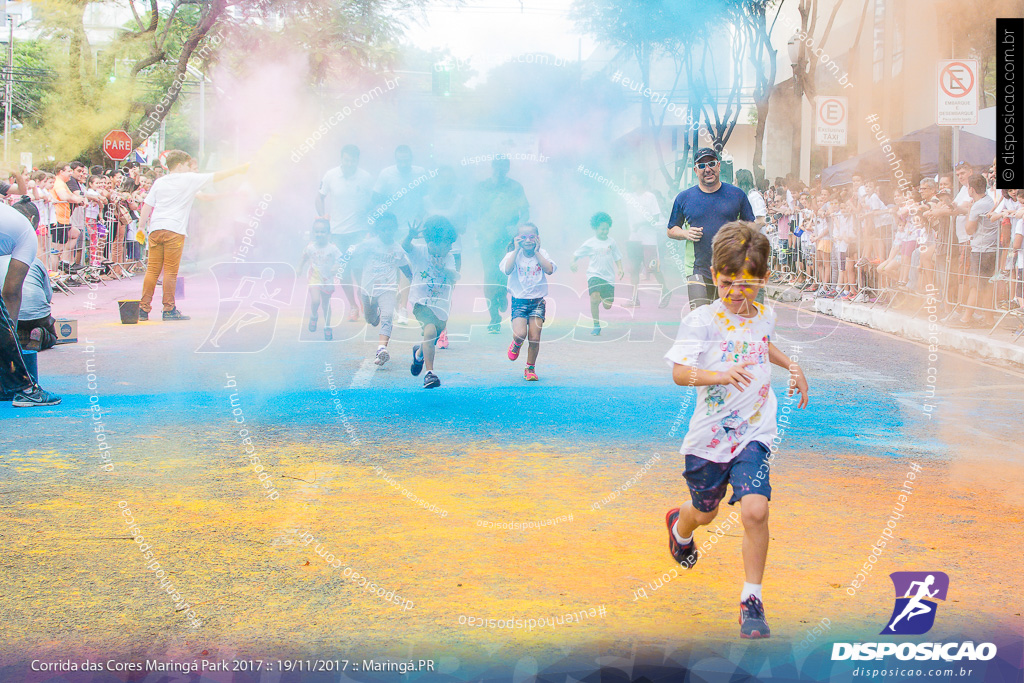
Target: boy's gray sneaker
point(36, 396)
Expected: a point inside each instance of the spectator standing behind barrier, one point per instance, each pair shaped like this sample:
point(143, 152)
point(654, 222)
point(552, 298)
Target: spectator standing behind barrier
point(17, 240)
point(961, 205)
point(984, 234)
point(745, 181)
point(64, 235)
point(698, 213)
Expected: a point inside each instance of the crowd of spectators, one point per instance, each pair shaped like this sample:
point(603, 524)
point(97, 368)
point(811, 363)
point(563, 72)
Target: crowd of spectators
point(85, 223)
point(860, 241)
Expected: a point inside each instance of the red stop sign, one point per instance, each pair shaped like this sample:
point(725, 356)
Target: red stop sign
point(117, 145)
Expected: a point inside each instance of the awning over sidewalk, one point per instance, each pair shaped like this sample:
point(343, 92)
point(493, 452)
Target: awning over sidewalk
point(874, 166)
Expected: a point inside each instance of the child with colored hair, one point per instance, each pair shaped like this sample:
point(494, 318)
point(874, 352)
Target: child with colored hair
point(432, 272)
point(527, 267)
point(605, 262)
point(725, 349)
point(376, 261)
point(323, 258)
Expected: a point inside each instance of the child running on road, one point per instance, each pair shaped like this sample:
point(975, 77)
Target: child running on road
point(605, 262)
point(724, 348)
point(527, 267)
point(432, 273)
point(376, 261)
point(323, 258)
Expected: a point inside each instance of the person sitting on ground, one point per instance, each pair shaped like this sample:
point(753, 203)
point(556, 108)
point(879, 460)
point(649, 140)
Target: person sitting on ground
point(35, 324)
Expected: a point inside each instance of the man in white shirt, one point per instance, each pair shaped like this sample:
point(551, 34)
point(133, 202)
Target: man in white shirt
point(344, 200)
point(165, 220)
point(400, 188)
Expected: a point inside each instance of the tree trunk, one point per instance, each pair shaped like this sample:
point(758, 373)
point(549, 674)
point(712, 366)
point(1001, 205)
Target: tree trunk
point(77, 44)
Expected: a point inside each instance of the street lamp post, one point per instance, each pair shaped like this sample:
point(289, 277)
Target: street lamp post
point(8, 83)
point(794, 49)
point(202, 108)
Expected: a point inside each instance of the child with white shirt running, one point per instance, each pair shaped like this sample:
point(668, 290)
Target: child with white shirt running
point(323, 258)
point(605, 260)
point(433, 275)
point(376, 261)
point(527, 267)
point(725, 349)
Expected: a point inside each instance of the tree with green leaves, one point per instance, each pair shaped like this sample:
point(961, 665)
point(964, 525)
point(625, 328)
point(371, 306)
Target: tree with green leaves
point(705, 41)
point(133, 80)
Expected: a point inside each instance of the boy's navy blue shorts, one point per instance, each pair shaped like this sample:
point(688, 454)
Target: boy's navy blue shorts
point(426, 316)
point(708, 480)
point(528, 308)
point(603, 288)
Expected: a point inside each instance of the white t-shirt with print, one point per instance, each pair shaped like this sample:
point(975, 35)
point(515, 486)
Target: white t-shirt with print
point(527, 279)
point(603, 255)
point(432, 279)
point(726, 419)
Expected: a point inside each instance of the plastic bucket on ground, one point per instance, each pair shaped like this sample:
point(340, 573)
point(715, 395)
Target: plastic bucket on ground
point(129, 311)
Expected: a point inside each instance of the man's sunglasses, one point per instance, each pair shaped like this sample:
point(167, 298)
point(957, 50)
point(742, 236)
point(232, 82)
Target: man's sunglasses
point(707, 164)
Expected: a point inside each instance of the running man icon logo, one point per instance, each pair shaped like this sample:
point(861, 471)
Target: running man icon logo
point(250, 299)
point(916, 595)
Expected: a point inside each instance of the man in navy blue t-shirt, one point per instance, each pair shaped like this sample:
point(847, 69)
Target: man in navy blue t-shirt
point(698, 213)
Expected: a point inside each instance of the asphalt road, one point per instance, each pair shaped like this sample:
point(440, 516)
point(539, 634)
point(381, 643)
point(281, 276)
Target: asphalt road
point(364, 461)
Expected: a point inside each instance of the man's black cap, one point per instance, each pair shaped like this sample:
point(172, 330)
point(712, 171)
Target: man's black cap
point(705, 152)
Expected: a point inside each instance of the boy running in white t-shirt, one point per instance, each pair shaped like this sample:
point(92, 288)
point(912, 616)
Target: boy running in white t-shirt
point(527, 267)
point(323, 258)
point(376, 261)
point(724, 348)
point(605, 262)
point(433, 275)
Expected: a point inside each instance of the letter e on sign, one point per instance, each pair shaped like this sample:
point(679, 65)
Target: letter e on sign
point(830, 120)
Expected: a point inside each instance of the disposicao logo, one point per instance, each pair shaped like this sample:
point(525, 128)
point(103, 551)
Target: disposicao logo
point(913, 614)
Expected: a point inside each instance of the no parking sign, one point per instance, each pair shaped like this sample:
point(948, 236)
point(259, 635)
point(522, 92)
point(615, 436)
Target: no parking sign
point(830, 116)
point(958, 92)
